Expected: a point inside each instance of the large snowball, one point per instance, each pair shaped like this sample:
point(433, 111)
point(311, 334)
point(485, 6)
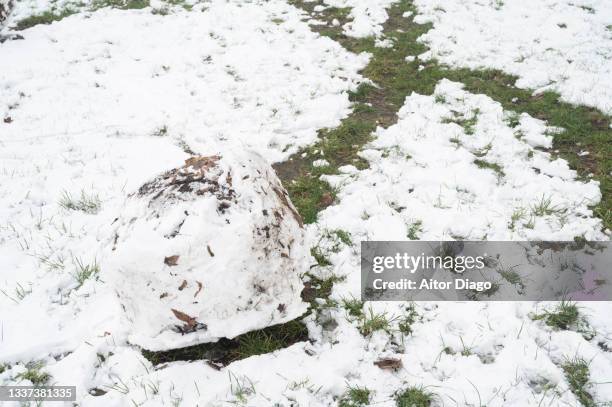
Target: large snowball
point(212, 249)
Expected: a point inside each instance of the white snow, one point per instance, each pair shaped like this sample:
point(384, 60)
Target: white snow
point(367, 16)
point(320, 163)
point(560, 45)
point(281, 81)
point(423, 172)
point(90, 112)
point(100, 103)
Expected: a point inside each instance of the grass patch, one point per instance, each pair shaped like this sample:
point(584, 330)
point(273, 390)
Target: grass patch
point(353, 307)
point(490, 166)
point(35, 374)
point(310, 195)
point(120, 4)
point(85, 271)
point(268, 340)
point(517, 215)
point(333, 242)
point(355, 397)
point(318, 255)
point(577, 374)
point(544, 207)
point(339, 146)
point(415, 230)
point(318, 288)
point(564, 316)
point(407, 320)
point(88, 203)
point(47, 17)
point(413, 397)
point(343, 236)
point(468, 124)
point(371, 322)
point(51, 16)
point(226, 351)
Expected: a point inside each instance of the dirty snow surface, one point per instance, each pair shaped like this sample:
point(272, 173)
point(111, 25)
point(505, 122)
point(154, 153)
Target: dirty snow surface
point(139, 209)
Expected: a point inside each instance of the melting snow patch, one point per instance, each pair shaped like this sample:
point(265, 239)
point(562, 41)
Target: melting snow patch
point(559, 44)
point(452, 167)
point(367, 16)
point(247, 82)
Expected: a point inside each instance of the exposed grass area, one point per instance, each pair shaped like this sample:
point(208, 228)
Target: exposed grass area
point(407, 320)
point(228, 350)
point(577, 374)
point(84, 271)
point(52, 15)
point(343, 236)
point(414, 230)
point(56, 15)
point(331, 241)
point(564, 316)
point(414, 397)
point(320, 257)
point(44, 18)
point(353, 307)
point(35, 374)
point(544, 207)
point(355, 397)
point(309, 195)
point(120, 4)
point(585, 128)
point(269, 340)
point(370, 322)
point(318, 288)
point(496, 168)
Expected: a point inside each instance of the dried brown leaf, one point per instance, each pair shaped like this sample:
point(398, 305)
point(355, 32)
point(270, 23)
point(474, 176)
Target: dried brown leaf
point(171, 260)
point(190, 322)
point(389, 363)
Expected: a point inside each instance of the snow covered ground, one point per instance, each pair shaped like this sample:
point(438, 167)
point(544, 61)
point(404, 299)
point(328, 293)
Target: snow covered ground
point(95, 105)
point(561, 45)
point(425, 176)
